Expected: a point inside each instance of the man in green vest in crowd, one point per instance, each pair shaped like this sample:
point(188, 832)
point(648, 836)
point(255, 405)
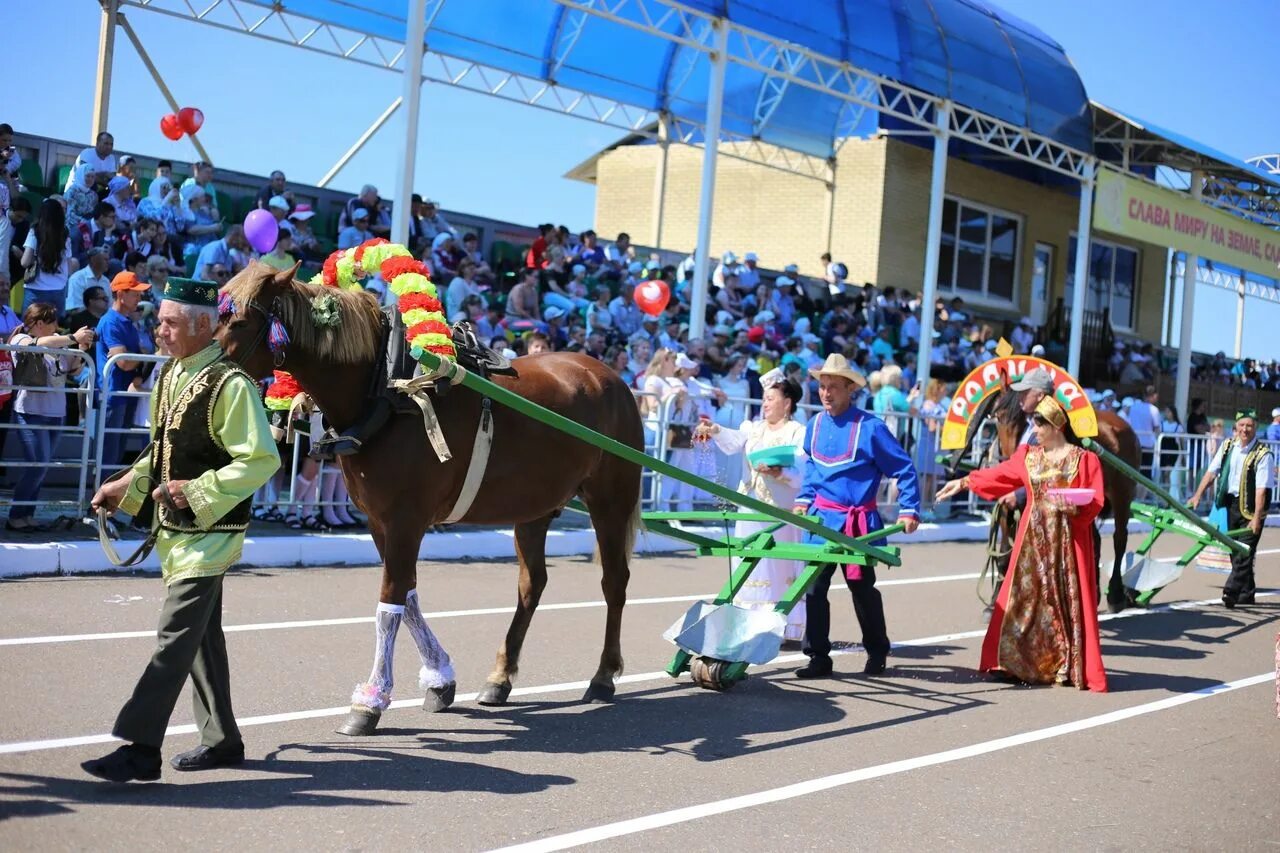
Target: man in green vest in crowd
point(1246, 472)
point(212, 449)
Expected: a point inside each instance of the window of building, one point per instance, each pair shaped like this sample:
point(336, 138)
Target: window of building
point(1113, 280)
point(979, 253)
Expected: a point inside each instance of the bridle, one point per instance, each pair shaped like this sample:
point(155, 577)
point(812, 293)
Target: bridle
point(264, 333)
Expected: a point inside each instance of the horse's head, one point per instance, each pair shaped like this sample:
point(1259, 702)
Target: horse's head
point(271, 320)
point(249, 323)
point(1011, 421)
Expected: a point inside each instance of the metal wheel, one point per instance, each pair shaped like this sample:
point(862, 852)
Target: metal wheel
point(708, 673)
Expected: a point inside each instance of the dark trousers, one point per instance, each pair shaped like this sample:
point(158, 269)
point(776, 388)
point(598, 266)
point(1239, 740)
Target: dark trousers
point(1240, 582)
point(867, 605)
point(190, 642)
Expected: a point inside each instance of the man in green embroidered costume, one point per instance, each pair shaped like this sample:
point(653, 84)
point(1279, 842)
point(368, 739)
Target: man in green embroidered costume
point(1246, 472)
point(212, 449)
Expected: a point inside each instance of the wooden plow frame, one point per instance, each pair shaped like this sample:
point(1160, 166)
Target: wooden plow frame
point(837, 548)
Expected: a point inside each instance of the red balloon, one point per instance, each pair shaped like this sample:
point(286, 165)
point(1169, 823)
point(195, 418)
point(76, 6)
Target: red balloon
point(190, 119)
point(652, 296)
point(170, 127)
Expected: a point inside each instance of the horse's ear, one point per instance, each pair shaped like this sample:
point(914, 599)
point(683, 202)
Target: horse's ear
point(284, 278)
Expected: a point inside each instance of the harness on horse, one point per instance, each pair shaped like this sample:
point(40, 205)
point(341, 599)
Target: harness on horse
point(399, 386)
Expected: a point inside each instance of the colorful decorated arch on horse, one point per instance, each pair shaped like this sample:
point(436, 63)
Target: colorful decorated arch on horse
point(1143, 577)
point(991, 377)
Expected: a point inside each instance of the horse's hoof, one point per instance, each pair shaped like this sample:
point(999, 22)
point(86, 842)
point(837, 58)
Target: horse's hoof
point(598, 693)
point(494, 694)
point(439, 698)
point(1116, 605)
point(359, 723)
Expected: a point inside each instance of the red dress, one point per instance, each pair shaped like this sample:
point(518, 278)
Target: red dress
point(1044, 628)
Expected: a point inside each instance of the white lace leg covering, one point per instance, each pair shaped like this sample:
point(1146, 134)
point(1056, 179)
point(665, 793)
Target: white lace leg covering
point(437, 669)
point(375, 694)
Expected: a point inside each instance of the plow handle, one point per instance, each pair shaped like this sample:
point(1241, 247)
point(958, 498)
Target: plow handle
point(1177, 506)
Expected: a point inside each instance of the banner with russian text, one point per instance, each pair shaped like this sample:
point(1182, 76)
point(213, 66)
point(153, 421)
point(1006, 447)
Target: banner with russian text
point(1142, 211)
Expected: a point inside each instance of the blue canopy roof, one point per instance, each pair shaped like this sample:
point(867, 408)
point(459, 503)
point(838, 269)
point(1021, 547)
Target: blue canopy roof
point(962, 50)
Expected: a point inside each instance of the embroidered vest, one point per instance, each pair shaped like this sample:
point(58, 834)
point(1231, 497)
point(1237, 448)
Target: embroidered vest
point(1247, 488)
point(185, 444)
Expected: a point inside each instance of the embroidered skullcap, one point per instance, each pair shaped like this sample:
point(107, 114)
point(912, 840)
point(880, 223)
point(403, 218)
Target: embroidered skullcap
point(192, 292)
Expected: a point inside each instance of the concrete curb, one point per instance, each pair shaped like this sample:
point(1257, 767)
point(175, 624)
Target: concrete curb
point(24, 559)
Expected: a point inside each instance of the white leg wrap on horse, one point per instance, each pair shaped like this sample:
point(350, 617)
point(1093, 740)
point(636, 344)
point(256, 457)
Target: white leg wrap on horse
point(375, 694)
point(437, 669)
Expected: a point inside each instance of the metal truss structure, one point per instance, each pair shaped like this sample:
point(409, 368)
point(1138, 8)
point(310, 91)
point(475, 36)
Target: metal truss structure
point(1232, 281)
point(1266, 162)
point(1236, 191)
point(781, 65)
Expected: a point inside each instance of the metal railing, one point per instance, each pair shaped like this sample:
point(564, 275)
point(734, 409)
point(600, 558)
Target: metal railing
point(1178, 460)
point(80, 384)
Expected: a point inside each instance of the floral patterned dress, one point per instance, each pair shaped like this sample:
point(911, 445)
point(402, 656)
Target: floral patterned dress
point(1044, 629)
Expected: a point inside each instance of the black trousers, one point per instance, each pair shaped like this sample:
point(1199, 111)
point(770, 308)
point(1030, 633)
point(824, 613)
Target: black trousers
point(1240, 583)
point(190, 642)
point(867, 605)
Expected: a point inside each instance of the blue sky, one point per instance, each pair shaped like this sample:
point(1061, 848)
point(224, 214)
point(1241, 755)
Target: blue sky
point(268, 106)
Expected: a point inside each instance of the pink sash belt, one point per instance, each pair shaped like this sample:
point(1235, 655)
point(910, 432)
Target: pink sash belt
point(856, 523)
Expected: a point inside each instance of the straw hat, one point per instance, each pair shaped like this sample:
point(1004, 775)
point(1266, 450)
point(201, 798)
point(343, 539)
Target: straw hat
point(837, 365)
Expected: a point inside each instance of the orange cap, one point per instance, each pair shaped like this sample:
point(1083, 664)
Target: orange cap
point(127, 281)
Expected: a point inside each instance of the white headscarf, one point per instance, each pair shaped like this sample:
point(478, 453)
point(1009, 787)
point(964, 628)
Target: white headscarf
point(187, 193)
point(80, 176)
point(159, 190)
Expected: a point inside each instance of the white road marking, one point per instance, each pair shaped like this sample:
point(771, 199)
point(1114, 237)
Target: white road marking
point(564, 687)
point(838, 780)
point(439, 614)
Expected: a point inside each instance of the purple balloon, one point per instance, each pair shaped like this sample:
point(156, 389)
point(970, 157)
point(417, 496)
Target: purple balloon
point(261, 230)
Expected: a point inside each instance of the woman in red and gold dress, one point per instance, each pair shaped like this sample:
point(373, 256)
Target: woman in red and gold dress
point(1044, 629)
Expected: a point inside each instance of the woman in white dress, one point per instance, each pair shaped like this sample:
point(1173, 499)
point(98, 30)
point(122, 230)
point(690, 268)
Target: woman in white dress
point(774, 485)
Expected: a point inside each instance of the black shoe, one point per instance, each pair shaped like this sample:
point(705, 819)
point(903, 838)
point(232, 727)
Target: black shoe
point(127, 764)
point(876, 665)
point(817, 667)
point(1244, 599)
point(207, 758)
point(1229, 601)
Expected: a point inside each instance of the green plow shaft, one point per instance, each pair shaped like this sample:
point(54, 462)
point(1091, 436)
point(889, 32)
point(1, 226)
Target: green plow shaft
point(496, 392)
point(1176, 506)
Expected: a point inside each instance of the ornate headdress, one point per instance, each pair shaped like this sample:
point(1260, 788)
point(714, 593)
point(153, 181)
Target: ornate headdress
point(1049, 409)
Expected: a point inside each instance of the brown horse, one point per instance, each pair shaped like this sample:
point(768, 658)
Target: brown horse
point(1115, 434)
point(398, 481)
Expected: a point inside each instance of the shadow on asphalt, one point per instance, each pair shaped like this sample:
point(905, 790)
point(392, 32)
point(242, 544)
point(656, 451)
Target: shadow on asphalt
point(705, 725)
point(1167, 638)
point(339, 774)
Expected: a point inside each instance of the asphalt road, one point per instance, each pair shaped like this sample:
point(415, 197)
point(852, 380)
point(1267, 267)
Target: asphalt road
point(1184, 753)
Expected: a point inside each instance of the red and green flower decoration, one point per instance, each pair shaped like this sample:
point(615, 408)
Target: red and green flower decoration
point(419, 303)
point(282, 391)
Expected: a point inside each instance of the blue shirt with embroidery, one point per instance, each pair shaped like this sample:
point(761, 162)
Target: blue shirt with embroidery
point(848, 455)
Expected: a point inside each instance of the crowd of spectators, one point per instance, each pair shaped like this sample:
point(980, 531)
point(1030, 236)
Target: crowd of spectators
point(100, 252)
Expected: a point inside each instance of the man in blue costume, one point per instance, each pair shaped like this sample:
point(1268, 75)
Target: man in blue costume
point(849, 451)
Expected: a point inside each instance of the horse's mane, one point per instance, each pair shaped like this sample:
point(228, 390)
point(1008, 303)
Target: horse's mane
point(356, 340)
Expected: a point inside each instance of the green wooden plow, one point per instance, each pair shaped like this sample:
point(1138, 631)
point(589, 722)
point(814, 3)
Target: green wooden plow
point(837, 547)
point(1174, 518)
point(717, 673)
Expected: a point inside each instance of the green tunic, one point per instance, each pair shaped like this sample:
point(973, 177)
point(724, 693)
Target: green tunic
point(240, 424)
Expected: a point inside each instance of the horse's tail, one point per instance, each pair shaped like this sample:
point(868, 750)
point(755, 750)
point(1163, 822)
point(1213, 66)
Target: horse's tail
point(633, 523)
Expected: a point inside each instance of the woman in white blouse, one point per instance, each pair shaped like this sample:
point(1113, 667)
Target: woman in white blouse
point(774, 485)
point(39, 411)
